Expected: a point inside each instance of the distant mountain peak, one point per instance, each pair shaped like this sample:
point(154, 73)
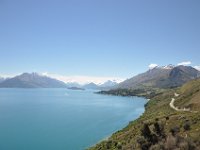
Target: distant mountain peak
point(170, 66)
point(152, 68)
point(73, 84)
point(91, 85)
point(32, 80)
point(109, 83)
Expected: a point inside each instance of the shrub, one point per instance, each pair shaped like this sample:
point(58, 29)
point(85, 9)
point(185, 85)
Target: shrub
point(144, 144)
point(186, 126)
point(175, 130)
point(157, 128)
point(146, 132)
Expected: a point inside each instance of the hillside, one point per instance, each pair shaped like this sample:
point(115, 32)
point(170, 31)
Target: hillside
point(161, 77)
point(92, 86)
point(161, 127)
point(189, 95)
point(32, 80)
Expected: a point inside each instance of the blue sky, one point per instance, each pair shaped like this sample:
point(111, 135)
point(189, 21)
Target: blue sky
point(102, 38)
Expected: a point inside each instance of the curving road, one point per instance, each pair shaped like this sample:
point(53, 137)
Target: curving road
point(171, 104)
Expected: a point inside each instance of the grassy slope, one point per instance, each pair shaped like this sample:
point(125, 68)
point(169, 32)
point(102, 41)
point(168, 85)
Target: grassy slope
point(158, 107)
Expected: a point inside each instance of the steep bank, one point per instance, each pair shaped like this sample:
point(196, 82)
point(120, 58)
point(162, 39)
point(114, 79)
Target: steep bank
point(162, 127)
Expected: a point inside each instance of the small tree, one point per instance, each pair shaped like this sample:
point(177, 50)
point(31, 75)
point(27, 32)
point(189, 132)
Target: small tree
point(175, 130)
point(186, 126)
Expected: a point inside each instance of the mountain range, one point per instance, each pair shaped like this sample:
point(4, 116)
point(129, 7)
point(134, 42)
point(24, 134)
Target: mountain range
point(104, 86)
point(34, 80)
point(161, 77)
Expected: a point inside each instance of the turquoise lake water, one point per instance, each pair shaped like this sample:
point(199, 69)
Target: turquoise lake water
point(61, 119)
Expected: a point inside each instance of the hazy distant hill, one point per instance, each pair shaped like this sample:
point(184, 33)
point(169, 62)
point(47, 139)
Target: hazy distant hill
point(91, 86)
point(104, 86)
point(32, 80)
point(73, 84)
point(109, 83)
point(161, 77)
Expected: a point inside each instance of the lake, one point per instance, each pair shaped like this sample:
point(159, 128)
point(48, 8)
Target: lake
point(61, 119)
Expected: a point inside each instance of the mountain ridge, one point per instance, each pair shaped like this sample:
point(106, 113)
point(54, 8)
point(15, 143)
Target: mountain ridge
point(32, 80)
point(161, 77)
